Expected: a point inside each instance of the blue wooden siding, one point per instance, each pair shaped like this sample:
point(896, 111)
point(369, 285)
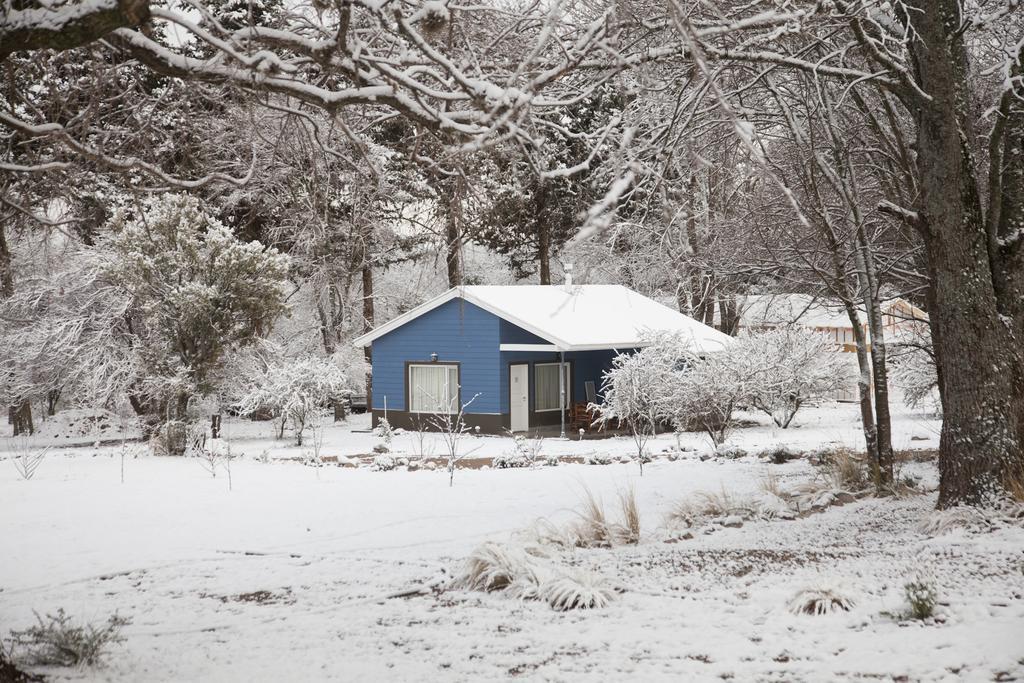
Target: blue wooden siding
point(588, 366)
point(513, 334)
point(457, 331)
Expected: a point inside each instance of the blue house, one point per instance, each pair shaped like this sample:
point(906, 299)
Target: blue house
point(498, 351)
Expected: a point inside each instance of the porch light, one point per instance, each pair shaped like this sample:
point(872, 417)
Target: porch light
point(433, 358)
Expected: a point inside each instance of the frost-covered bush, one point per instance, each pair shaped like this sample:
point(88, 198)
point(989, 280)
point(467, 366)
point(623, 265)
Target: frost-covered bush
point(57, 641)
point(786, 366)
point(527, 452)
point(779, 454)
point(634, 393)
point(598, 459)
point(293, 390)
point(384, 431)
point(384, 463)
point(730, 451)
point(820, 600)
point(921, 598)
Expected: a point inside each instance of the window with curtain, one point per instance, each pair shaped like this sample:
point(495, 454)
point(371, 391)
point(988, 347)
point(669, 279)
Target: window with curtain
point(545, 376)
point(434, 388)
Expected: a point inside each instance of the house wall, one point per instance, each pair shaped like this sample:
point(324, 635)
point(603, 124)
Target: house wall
point(457, 331)
point(463, 333)
point(585, 366)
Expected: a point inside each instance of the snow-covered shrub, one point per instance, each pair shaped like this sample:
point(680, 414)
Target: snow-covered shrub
point(526, 453)
point(820, 600)
point(293, 390)
point(779, 454)
point(384, 463)
point(786, 366)
point(921, 598)
point(576, 589)
point(57, 641)
point(598, 459)
point(730, 451)
point(634, 392)
point(384, 432)
point(552, 459)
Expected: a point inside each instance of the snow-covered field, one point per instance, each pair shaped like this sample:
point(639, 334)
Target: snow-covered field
point(297, 573)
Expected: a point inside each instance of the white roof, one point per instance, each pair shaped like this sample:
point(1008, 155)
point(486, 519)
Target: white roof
point(774, 310)
point(576, 318)
point(779, 310)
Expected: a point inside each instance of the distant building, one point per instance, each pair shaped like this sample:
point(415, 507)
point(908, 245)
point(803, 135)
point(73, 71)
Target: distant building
point(766, 311)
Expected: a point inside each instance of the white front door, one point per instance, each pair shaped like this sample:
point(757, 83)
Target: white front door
point(519, 397)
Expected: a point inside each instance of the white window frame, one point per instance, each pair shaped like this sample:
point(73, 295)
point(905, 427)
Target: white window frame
point(454, 406)
point(536, 387)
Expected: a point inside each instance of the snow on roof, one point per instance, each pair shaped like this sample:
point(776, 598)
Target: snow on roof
point(773, 310)
point(776, 310)
point(575, 318)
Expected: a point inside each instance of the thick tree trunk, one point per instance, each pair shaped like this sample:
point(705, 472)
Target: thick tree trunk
point(367, 326)
point(979, 357)
point(21, 417)
point(1006, 222)
point(176, 427)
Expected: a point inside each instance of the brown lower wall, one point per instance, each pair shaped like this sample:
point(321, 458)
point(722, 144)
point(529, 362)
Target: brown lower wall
point(488, 423)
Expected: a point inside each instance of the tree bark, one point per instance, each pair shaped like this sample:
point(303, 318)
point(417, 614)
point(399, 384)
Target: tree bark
point(6, 274)
point(37, 29)
point(867, 413)
point(453, 234)
point(978, 354)
point(367, 326)
point(543, 234)
point(882, 464)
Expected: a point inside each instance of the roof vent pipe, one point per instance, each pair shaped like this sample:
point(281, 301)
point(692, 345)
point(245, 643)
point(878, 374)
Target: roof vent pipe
point(568, 275)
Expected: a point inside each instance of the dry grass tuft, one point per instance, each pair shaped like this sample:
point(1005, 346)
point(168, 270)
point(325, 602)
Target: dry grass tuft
point(494, 567)
point(577, 589)
point(847, 471)
point(770, 483)
point(630, 528)
point(818, 601)
point(594, 530)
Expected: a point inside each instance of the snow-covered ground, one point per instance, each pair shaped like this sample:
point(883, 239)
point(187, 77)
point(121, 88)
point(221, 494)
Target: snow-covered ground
point(292, 574)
